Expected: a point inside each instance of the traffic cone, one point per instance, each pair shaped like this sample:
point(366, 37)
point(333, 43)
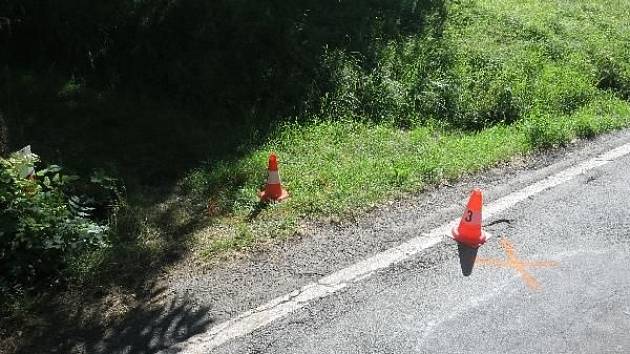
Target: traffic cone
point(469, 231)
point(273, 188)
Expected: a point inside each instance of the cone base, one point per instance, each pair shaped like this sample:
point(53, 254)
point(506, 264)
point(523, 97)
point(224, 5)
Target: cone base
point(266, 198)
point(467, 241)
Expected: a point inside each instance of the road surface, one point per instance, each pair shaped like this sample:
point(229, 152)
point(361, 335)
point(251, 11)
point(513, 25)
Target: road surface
point(554, 278)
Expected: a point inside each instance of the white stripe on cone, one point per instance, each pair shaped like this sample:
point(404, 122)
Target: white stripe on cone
point(273, 178)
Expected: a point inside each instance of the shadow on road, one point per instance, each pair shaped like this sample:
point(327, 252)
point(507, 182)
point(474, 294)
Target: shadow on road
point(149, 327)
point(467, 257)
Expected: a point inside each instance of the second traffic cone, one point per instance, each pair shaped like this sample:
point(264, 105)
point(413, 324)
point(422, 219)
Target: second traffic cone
point(469, 231)
point(273, 188)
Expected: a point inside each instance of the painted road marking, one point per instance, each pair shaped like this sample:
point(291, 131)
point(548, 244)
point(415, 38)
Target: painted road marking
point(519, 265)
point(280, 307)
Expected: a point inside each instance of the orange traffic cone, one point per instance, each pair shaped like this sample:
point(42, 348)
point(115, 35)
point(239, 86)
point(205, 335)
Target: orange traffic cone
point(469, 231)
point(273, 189)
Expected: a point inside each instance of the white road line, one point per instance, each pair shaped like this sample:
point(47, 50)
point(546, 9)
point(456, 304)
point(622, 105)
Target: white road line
point(280, 307)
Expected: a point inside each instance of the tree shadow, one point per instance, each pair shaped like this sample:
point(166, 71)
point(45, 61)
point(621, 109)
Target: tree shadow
point(149, 89)
point(181, 81)
point(149, 327)
point(467, 257)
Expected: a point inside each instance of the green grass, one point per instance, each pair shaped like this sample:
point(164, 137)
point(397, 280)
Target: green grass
point(333, 169)
point(505, 78)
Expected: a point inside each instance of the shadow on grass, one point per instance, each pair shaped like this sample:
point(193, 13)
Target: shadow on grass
point(182, 82)
point(77, 320)
point(260, 206)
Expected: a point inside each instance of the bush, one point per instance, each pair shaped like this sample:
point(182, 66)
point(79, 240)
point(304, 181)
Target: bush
point(614, 74)
point(42, 225)
point(563, 88)
point(546, 131)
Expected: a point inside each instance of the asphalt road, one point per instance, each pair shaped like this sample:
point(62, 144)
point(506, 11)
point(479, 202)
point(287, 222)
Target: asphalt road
point(554, 279)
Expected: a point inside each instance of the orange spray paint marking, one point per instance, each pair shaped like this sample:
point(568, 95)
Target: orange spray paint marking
point(519, 265)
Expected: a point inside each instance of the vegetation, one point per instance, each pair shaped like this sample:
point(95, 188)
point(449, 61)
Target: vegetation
point(44, 224)
point(362, 101)
point(498, 79)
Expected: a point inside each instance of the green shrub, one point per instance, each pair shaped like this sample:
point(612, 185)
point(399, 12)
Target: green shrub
point(613, 74)
point(545, 131)
point(42, 225)
point(586, 126)
point(603, 114)
point(563, 88)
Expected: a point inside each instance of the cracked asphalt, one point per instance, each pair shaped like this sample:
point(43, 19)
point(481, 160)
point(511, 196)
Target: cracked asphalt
point(440, 301)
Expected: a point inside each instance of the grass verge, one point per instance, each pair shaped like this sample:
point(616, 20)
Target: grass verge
point(333, 169)
point(502, 78)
